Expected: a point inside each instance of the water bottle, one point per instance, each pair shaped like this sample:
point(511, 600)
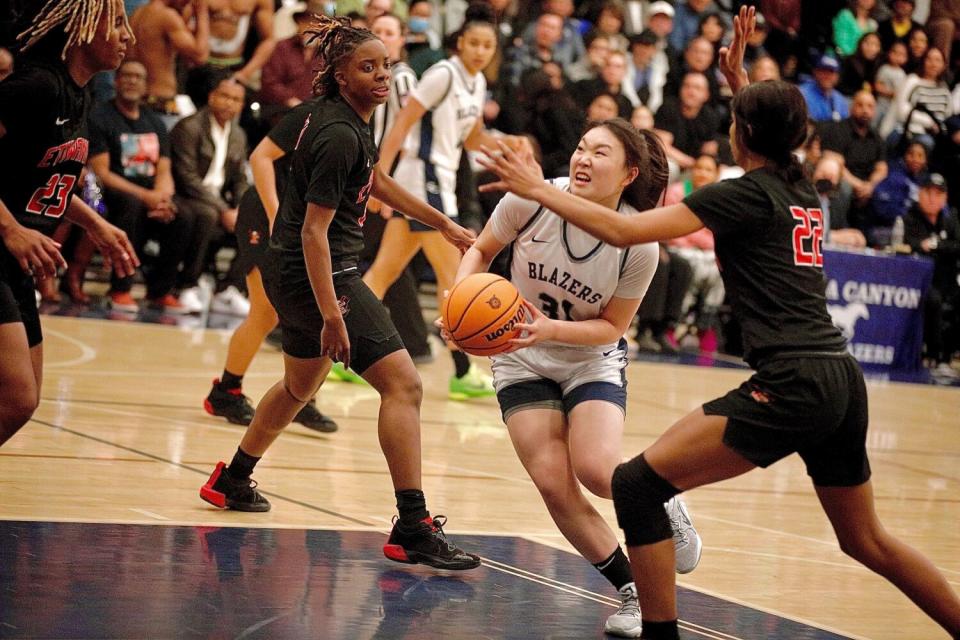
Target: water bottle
point(896, 236)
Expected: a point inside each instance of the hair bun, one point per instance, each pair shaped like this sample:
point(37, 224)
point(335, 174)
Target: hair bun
point(478, 12)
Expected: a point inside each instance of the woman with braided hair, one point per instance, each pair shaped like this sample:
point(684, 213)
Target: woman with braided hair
point(326, 312)
point(43, 149)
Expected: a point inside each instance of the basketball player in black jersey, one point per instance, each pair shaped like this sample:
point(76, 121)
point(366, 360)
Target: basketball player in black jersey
point(326, 312)
point(807, 395)
point(43, 149)
point(269, 162)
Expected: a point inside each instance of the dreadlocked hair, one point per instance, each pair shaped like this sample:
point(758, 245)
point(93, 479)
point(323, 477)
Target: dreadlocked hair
point(74, 21)
point(336, 41)
point(643, 150)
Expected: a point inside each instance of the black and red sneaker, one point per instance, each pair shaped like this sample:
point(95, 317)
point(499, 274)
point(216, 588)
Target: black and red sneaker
point(426, 543)
point(229, 403)
point(312, 419)
point(227, 493)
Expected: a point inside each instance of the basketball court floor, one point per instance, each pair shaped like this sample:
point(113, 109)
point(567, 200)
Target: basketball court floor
point(104, 536)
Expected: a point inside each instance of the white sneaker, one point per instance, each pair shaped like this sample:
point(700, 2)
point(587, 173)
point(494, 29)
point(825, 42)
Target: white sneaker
point(230, 302)
point(686, 540)
point(626, 622)
point(192, 300)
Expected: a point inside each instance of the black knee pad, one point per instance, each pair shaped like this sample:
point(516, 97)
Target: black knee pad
point(638, 497)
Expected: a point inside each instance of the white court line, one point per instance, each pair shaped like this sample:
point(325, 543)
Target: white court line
point(149, 514)
point(87, 353)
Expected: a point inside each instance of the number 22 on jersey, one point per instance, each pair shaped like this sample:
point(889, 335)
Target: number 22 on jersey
point(807, 237)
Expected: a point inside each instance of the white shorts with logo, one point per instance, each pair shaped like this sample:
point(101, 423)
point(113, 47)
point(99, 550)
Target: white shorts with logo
point(435, 185)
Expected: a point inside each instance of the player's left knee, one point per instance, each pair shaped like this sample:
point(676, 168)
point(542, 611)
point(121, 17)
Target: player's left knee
point(638, 496)
point(596, 477)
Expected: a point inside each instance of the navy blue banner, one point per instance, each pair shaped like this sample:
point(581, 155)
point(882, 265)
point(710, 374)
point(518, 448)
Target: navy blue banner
point(877, 301)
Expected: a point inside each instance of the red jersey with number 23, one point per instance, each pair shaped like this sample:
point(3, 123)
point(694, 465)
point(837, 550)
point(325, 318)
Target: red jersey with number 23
point(45, 147)
point(769, 249)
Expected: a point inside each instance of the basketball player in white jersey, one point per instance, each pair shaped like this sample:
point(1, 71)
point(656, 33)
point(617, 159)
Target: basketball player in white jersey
point(442, 116)
point(562, 386)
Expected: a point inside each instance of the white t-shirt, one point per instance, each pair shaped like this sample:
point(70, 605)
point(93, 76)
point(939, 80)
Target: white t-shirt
point(454, 101)
point(563, 270)
point(402, 84)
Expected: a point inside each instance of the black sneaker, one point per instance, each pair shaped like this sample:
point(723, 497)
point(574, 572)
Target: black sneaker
point(311, 418)
point(426, 543)
point(240, 495)
point(229, 403)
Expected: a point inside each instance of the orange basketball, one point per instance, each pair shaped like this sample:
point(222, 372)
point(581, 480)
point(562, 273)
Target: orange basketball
point(480, 314)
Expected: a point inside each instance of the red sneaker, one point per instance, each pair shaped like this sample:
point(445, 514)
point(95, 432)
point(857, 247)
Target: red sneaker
point(123, 301)
point(170, 304)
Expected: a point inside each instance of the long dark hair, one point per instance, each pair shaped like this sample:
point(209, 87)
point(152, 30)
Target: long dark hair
point(643, 150)
point(771, 119)
point(336, 41)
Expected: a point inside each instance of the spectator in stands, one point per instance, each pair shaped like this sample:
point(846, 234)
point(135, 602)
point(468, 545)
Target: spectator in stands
point(705, 294)
point(589, 66)
point(287, 78)
point(373, 9)
point(826, 180)
point(898, 26)
point(824, 103)
point(896, 193)
point(755, 48)
point(556, 120)
point(424, 46)
point(610, 23)
point(662, 306)
point(783, 41)
point(570, 49)
point(931, 229)
point(863, 156)
point(642, 117)
point(917, 46)
point(230, 26)
point(851, 23)
point(764, 68)
point(531, 55)
point(689, 119)
point(6, 63)
point(686, 21)
point(603, 107)
point(944, 24)
point(858, 72)
point(209, 153)
point(162, 36)
point(698, 57)
point(660, 21)
point(611, 81)
point(890, 77)
point(130, 153)
point(647, 70)
point(713, 27)
point(922, 104)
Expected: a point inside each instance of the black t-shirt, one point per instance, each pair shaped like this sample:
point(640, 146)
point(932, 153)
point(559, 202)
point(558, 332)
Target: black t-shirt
point(688, 134)
point(135, 146)
point(768, 246)
point(45, 148)
point(285, 134)
point(331, 166)
point(861, 153)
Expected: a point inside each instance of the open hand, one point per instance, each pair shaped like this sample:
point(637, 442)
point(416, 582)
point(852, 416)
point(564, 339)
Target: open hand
point(537, 328)
point(37, 254)
point(115, 247)
point(731, 56)
point(458, 236)
point(519, 172)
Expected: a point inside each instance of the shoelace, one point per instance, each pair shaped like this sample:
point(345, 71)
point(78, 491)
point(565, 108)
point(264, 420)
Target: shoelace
point(630, 605)
point(437, 529)
point(676, 523)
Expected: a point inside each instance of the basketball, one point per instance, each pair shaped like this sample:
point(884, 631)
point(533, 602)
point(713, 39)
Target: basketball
point(480, 314)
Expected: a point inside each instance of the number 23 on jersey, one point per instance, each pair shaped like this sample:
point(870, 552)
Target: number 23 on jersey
point(807, 237)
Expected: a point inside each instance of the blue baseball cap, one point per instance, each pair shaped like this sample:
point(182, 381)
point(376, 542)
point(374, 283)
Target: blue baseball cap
point(828, 62)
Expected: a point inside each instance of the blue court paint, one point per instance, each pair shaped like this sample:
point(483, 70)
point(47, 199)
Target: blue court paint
point(72, 580)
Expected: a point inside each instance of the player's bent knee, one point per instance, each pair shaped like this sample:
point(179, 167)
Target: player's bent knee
point(638, 496)
point(596, 479)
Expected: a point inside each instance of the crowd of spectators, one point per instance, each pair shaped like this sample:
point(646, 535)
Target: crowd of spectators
point(207, 78)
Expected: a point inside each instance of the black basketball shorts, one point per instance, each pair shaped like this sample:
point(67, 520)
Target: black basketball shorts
point(814, 404)
point(18, 302)
point(369, 328)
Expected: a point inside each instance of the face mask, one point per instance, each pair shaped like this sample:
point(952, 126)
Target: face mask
point(418, 25)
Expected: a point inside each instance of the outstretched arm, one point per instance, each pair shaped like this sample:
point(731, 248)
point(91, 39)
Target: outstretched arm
point(521, 175)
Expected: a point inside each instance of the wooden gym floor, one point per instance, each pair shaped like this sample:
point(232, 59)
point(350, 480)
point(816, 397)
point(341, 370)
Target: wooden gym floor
point(103, 534)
